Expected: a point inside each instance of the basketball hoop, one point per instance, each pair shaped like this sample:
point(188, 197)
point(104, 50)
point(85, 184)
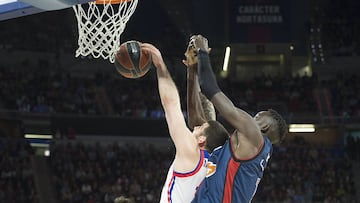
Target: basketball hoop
point(100, 24)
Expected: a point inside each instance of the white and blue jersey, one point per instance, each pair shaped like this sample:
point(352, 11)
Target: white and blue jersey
point(181, 187)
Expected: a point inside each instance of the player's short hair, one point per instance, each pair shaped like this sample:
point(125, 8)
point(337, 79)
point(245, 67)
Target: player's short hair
point(216, 135)
point(280, 124)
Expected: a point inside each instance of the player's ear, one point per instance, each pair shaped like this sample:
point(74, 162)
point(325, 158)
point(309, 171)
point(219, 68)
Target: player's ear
point(202, 139)
point(265, 128)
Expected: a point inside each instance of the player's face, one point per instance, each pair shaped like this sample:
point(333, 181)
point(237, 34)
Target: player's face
point(266, 123)
point(263, 119)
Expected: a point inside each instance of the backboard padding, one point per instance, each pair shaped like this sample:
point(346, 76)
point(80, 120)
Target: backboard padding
point(17, 8)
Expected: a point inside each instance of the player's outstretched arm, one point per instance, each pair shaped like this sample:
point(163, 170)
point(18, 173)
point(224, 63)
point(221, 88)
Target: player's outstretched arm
point(195, 112)
point(187, 151)
point(238, 118)
point(199, 108)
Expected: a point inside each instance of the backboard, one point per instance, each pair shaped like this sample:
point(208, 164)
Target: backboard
point(16, 8)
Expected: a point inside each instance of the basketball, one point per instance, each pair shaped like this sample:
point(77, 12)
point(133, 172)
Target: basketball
point(131, 61)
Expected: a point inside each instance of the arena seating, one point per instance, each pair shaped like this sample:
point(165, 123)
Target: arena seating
point(16, 171)
point(63, 93)
point(298, 172)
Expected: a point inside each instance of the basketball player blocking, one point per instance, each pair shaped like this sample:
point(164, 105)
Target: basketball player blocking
point(240, 163)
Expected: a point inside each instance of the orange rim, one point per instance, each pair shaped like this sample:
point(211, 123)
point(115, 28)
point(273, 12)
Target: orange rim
point(111, 1)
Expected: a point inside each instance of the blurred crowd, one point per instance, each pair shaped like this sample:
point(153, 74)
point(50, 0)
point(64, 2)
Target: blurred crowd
point(352, 147)
point(91, 172)
point(297, 173)
point(98, 173)
point(342, 27)
point(16, 172)
point(338, 25)
point(42, 92)
point(61, 92)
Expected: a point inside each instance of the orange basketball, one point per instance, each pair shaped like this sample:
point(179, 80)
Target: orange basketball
point(131, 61)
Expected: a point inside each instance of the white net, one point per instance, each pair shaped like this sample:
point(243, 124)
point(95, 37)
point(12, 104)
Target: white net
point(100, 27)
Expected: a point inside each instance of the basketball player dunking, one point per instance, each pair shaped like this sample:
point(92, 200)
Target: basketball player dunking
point(237, 167)
point(189, 167)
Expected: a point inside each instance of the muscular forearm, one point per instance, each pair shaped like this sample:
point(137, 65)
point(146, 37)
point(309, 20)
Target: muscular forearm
point(210, 87)
point(167, 88)
point(196, 114)
point(207, 78)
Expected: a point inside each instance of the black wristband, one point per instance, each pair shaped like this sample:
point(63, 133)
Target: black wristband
point(206, 75)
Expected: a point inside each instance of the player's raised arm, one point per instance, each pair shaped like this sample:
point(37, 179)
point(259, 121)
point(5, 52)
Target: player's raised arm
point(195, 110)
point(238, 118)
point(184, 142)
point(199, 108)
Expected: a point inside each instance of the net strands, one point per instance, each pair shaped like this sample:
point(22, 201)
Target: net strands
point(100, 27)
